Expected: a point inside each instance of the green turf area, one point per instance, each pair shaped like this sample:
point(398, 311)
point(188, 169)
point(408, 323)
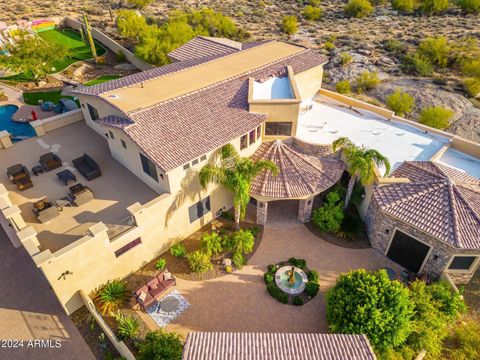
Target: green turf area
point(70, 38)
point(101, 79)
point(31, 98)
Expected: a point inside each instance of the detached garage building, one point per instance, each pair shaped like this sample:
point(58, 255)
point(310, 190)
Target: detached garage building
point(430, 223)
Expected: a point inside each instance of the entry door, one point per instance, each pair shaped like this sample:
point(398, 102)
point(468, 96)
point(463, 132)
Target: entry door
point(407, 251)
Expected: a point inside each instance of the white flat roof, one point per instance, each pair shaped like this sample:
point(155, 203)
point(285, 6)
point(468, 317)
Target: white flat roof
point(274, 88)
point(462, 161)
point(328, 120)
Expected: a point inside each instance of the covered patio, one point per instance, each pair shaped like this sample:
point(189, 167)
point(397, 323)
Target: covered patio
point(301, 177)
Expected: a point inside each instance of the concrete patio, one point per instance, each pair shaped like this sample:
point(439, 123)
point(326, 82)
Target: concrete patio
point(240, 302)
point(113, 190)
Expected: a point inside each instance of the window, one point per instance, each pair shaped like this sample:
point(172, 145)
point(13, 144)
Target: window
point(194, 162)
point(111, 135)
point(124, 144)
point(203, 158)
point(186, 166)
point(462, 262)
point(127, 247)
point(106, 135)
point(278, 128)
point(243, 142)
point(252, 137)
point(93, 112)
point(149, 167)
point(259, 132)
point(199, 209)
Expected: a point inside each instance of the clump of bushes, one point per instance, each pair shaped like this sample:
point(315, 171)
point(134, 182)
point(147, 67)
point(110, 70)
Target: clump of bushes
point(297, 301)
point(160, 344)
point(199, 262)
point(367, 80)
point(345, 58)
point(469, 6)
point(112, 295)
point(405, 6)
point(311, 288)
point(358, 8)
point(128, 326)
point(313, 276)
point(329, 217)
point(161, 264)
point(211, 243)
point(299, 263)
point(472, 86)
point(289, 24)
point(434, 7)
point(436, 117)
point(400, 102)
point(276, 293)
point(417, 64)
point(178, 250)
point(268, 277)
point(312, 12)
point(343, 87)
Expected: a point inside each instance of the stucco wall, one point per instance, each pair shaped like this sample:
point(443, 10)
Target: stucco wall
point(309, 82)
point(378, 223)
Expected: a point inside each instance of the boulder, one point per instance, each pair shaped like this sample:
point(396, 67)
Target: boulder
point(359, 64)
point(82, 70)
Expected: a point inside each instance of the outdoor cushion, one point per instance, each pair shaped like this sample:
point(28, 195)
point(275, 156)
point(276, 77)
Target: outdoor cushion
point(167, 276)
point(50, 161)
point(168, 283)
point(154, 282)
point(87, 167)
point(157, 291)
point(142, 296)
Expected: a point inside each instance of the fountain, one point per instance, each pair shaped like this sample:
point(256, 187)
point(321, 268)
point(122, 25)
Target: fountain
point(291, 280)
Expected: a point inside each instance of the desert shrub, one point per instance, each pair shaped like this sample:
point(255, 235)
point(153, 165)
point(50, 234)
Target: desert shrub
point(436, 117)
point(254, 230)
point(211, 243)
point(352, 226)
point(450, 302)
point(405, 6)
point(128, 326)
point(436, 50)
point(227, 215)
point(329, 217)
point(276, 293)
point(243, 241)
point(297, 301)
point(238, 260)
point(130, 24)
point(400, 102)
point(417, 64)
point(440, 80)
point(370, 303)
point(268, 278)
point(299, 263)
point(395, 47)
point(343, 87)
point(434, 7)
point(471, 68)
point(314, 3)
point(469, 6)
point(140, 4)
point(311, 288)
point(329, 45)
point(358, 8)
point(367, 80)
point(313, 276)
point(120, 56)
point(160, 345)
point(160, 264)
point(178, 250)
point(289, 24)
point(228, 269)
point(311, 12)
point(472, 86)
point(112, 295)
point(199, 262)
point(345, 58)
point(463, 341)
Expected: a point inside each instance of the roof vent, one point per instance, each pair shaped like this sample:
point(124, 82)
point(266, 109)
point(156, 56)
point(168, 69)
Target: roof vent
point(113, 96)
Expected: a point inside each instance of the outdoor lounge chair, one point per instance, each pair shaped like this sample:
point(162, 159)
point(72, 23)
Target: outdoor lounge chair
point(154, 289)
point(20, 176)
point(50, 161)
point(45, 210)
point(87, 167)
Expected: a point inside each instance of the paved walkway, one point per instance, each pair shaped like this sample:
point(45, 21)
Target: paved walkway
point(240, 302)
point(30, 310)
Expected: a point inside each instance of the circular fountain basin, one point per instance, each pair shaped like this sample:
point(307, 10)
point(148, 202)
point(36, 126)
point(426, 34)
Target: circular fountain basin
point(282, 277)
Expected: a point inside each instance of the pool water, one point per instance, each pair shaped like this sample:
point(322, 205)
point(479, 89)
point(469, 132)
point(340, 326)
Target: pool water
point(19, 131)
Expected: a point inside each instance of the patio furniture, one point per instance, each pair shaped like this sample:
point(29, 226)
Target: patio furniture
point(50, 161)
point(87, 167)
point(81, 194)
point(37, 170)
point(65, 176)
point(154, 289)
point(19, 175)
point(63, 202)
point(169, 304)
point(45, 210)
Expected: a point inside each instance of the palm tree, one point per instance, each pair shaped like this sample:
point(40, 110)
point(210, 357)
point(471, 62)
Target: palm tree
point(235, 173)
point(361, 161)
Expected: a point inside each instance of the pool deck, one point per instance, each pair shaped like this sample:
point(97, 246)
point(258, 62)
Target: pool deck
point(15, 97)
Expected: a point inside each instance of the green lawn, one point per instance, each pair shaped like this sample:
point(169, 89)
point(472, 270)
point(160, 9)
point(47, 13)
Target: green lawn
point(31, 98)
point(101, 79)
point(70, 38)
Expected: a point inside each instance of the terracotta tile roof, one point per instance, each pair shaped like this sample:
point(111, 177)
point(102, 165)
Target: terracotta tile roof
point(276, 346)
point(115, 121)
point(181, 129)
point(299, 175)
point(202, 46)
point(440, 200)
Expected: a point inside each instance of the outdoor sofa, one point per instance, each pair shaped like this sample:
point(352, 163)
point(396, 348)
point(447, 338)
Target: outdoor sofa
point(147, 294)
point(50, 161)
point(20, 176)
point(87, 167)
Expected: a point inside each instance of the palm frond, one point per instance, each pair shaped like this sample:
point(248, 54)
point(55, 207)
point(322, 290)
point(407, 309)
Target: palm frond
point(211, 173)
point(379, 159)
point(343, 143)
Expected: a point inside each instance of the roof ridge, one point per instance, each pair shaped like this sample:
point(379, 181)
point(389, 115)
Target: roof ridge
point(138, 111)
point(268, 151)
point(209, 38)
point(467, 203)
point(277, 145)
point(454, 215)
point(442, 176)
point(310, 186)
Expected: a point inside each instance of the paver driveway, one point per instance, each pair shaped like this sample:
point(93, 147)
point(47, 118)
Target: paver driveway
point(240, 302)
point(30, 310)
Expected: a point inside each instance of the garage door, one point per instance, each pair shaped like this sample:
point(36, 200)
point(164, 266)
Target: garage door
point(407, 251)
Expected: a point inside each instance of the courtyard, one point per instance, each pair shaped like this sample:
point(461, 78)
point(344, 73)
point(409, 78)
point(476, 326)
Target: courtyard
point(239, 301)
point(112, 197)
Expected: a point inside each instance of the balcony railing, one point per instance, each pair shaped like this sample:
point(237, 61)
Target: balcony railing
point(120, 227)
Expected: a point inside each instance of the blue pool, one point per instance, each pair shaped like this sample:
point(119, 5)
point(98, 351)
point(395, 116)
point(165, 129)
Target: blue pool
point(19, 131)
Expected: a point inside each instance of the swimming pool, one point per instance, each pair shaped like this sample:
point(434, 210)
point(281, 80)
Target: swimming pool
point(19, 131)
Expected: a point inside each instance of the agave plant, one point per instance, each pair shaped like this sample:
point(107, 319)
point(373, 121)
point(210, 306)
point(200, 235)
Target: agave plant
point(112, 295)
point(128, 326)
